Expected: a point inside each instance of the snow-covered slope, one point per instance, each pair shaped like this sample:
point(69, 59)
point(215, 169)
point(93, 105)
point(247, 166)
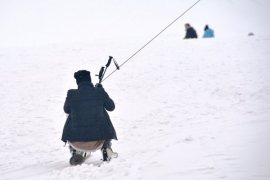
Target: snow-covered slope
point(34, 22)
point(196, 109)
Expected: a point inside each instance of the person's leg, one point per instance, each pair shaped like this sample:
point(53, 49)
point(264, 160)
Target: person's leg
point(88, 146)
point(72, 150)
point(77, 157)
point(107, 151)
point(107, 144)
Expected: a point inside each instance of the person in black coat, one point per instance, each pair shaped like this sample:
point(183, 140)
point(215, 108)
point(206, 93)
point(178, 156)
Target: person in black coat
point(88, 126)
point(190, 32)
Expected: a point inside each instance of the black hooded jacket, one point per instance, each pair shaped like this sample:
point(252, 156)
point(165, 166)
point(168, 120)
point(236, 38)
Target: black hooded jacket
point(88, 119)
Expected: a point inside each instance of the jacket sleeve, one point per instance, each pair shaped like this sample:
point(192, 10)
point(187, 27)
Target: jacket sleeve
point(67, 103)
point(108, 102)
point(187, 34)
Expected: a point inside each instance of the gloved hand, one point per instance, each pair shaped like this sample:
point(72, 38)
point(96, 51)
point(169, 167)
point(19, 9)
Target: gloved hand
point(98, 85)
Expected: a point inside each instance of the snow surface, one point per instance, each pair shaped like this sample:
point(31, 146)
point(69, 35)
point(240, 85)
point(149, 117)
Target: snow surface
point(194, 109)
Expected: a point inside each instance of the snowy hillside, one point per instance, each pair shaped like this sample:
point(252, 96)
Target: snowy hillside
point(194, 110)
point(35, 22)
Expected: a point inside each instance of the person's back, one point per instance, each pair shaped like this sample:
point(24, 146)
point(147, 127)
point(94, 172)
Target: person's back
point(88, 118)
point(190, 32)
point(208, 32)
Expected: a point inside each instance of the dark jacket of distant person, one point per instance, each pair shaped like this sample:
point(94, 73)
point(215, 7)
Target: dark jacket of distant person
point(190, 32)
point(87, 108)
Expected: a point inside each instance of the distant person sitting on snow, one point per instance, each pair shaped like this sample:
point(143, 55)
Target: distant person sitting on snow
point(88, 126)
point(190, 32)
point(208, 33)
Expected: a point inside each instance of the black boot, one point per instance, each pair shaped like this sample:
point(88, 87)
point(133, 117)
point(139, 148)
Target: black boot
point(107, 152)
point(77, 157)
